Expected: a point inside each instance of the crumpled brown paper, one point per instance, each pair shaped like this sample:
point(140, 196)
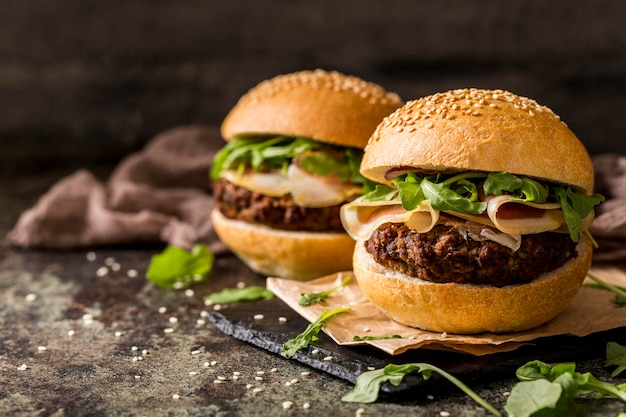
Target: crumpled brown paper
point(160, 194)
point(593, 310)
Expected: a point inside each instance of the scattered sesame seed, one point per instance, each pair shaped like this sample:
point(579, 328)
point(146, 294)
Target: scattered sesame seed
point(193, 373)
point(305, 373)
point(189, 293)
point(444, 335)
point(370, 368)
point(132, 273)
point(241, 285)
point(178, 285)
point(259, 316)
point(173, 319)
point(360, 412)
point(444, 414)
point(102, 271)
point(137, 376)
point(175, 396)
point(207, 364)
point(42, 348)
point(257, 390)
point(430, 397)
point(367, 329)
point(204, 314)
point(134, 348)
point(235, 377)
point(30, 297)
point(195, 352)
point(328, 358)
point(217, 307)
point(213, 363)
point(218, 381)
point(91, 256)
point(200, 322)
point(144, 352)
point(208, 302)
point(168, 330)
point(287, 405)
point(258, 378)
point(287, 384)
point(315, 351)
point(116, 267)
point(22, 367)
point(71, 333)
point(248, 386)
point(162, 310)
point(260, 372)
point(282, 319)
point(306, 406)
point(294, 381)
point(236, 373)
point(506, 393)
point(118, 334)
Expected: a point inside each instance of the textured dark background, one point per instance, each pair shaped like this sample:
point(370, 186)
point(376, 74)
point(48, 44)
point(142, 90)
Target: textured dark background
point(95, 80)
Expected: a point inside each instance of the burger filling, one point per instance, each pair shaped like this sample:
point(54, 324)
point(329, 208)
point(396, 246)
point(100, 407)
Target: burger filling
point(286, 183)
point(470, 227)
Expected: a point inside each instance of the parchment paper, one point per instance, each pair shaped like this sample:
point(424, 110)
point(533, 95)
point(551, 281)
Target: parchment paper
point(593, 310)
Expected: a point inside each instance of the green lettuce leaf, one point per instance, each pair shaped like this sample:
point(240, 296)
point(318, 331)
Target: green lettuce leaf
point(178, 268)
point(237, 295)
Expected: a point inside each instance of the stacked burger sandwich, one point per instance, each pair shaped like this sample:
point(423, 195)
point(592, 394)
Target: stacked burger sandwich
point(480, 222)
point(292, 159)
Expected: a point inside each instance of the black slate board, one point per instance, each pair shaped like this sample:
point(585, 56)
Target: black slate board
point(238, 321)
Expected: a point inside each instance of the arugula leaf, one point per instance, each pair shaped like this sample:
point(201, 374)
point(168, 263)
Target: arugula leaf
point(301, 341)
point(364, 338)
point(177, 268)
point(308, 299)
point(616, 355)
point(575, 206)
point(235, 295)
point(367, 387)
point(379, 192)
point(442, 197)
point(564, 384)
point(277, 153)
point(529, 398)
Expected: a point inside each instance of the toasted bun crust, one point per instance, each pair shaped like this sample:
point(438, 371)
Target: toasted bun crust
point(327, 106)
point(470, 309)
point(294, 255)
point(484, 130)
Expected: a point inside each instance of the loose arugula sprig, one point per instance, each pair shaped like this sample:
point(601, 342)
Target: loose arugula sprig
point(616, 355)
point(178, 268)
point(358, 338)
point(236, 295)
point(549, 390)
point(461, 193)
point(309, 335)
point(368, 384)
point(620, 293)
point(308, 299)
point(277, 153)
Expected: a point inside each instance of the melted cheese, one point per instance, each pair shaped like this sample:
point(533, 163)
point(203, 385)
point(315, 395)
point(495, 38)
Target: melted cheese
point(307, 190)
point(360, 219)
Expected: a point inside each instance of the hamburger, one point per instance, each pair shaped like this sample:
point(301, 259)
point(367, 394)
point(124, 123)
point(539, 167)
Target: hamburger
point(294, 147)
point(480, 220)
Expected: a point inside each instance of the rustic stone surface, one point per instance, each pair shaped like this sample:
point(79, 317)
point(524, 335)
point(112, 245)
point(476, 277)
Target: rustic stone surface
point(61, 353)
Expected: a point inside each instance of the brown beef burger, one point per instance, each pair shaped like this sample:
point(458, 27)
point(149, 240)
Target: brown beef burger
point(292, 159)
point(480, 221)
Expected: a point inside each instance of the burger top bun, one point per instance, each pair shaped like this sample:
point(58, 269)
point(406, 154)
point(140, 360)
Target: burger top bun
point(326, 106)
point(482, 130)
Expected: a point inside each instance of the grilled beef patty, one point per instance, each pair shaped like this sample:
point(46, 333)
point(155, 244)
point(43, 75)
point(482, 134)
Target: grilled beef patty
point(239, 203)
point(443, 254)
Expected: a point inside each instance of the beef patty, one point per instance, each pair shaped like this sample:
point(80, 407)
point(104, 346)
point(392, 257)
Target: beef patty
point(239, 203)
point(443, 254)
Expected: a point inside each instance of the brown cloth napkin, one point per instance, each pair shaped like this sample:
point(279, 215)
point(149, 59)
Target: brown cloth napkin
point(162, 194)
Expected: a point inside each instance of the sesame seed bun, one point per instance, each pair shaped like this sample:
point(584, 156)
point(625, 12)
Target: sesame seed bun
point(483, 130)
point(466, 308)
point(326, 106)
point(281, 253)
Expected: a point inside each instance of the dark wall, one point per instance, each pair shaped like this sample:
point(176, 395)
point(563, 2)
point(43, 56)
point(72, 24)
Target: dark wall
point(96, 79)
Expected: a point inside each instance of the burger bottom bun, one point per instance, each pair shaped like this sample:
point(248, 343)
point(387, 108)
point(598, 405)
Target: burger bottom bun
point(466, 308)
point(287, 254)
